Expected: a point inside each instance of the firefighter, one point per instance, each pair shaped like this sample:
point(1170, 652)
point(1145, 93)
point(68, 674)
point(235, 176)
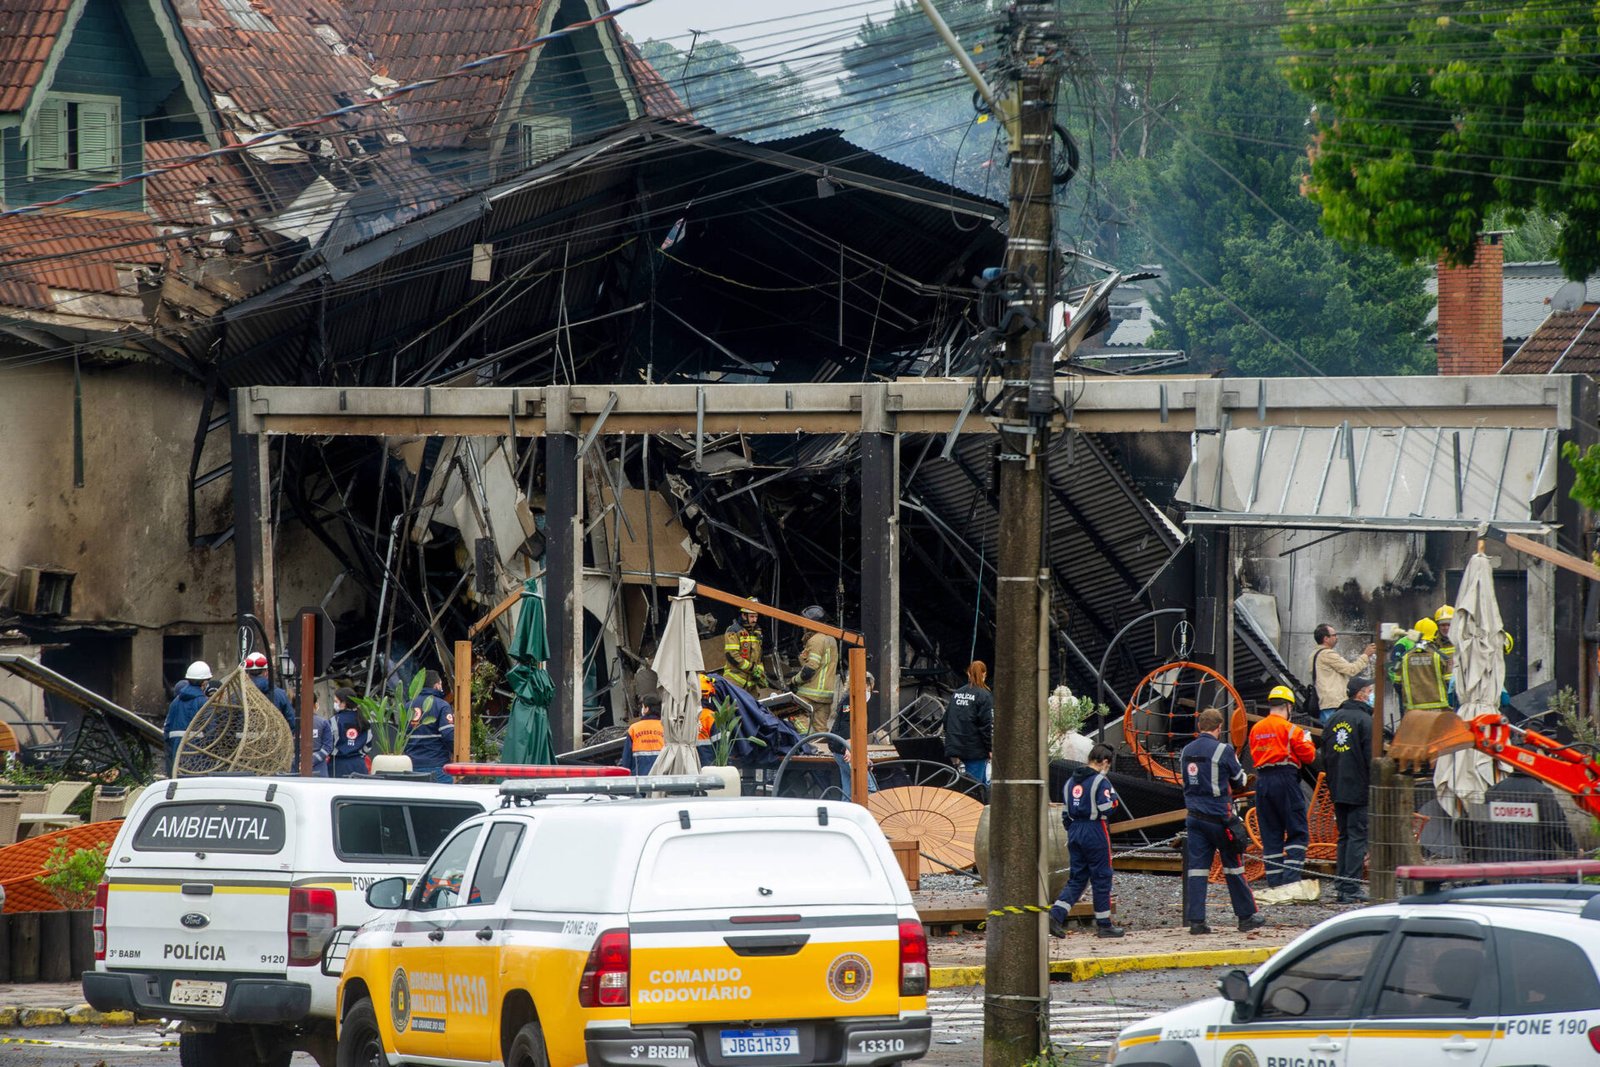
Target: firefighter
point(1279, 748)
point(1211, 772)
point(645, 739)
point(432, 742)
point(817, 682)
point(1090, 801)
point(741, 648)
point(1423, 686)
point(1446, 647)
point(706, 742)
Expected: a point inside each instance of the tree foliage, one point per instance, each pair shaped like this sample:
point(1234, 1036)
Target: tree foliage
point(761, 101)
point(1431, 116)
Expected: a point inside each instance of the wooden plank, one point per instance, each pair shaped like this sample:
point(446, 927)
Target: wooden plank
point(1166, 818)
point(1529, 546)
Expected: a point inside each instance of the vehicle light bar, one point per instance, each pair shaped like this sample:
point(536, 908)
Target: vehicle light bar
point(630, 786)
point(523, 770)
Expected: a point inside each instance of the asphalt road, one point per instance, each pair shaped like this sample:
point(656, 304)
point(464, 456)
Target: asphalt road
point(1084, 1018)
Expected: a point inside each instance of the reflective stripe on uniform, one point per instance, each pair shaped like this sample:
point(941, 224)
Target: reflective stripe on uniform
point(1216, 770)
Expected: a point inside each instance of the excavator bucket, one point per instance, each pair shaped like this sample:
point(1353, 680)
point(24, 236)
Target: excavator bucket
point(1424, 736)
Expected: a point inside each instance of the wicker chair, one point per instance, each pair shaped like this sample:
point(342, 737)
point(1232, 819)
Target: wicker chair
point(110, 802)
point(10, 809)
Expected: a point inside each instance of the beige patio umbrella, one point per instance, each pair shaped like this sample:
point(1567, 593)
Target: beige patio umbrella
point(1462, 777)
point(678, 664)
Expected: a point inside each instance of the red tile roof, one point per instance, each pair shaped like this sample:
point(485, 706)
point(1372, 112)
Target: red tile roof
point(1570, 338)
point(28, 30)
point(659, 100)
point(419, 40)
point(285, 74)
point(176, 198)
point(76, 250)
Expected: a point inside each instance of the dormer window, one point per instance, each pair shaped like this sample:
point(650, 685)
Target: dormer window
point(76, 132)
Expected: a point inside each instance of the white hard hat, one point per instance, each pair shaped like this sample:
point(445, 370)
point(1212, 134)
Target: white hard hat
point(199, 671)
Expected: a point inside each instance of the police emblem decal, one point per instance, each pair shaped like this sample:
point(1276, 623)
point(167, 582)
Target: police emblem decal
point(400, 1000)
point(850, 977)
point(1239, 1056)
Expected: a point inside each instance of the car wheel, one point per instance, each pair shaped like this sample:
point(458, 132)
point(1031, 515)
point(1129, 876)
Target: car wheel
point(527, 1048)
point(360, 1043)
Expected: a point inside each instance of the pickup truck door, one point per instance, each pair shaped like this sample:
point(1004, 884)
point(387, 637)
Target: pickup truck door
point(419, 989)
point(476, 940)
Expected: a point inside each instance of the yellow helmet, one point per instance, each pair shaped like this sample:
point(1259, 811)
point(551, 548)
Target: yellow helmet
point(1445, 612)
point(1506, 640)
point(1426, 629)
point(1281, 694)
point(706, 688)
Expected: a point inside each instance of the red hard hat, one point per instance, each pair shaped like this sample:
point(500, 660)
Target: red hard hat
point(255, 661)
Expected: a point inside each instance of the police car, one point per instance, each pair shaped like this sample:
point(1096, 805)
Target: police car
point(1482, 976)
point(616, 929)
point(220, 892)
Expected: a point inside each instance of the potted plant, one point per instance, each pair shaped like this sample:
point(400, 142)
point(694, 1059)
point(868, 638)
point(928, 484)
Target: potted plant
point(66, 938)
point(390, 718)
point(727, 727)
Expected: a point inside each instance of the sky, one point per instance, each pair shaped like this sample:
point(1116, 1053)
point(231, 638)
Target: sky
point(672, 19)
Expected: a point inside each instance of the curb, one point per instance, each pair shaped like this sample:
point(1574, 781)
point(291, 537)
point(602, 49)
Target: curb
point(28, 1016)
point(1081, 970)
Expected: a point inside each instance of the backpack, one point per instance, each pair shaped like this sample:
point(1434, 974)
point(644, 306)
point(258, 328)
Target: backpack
point(1310, 702)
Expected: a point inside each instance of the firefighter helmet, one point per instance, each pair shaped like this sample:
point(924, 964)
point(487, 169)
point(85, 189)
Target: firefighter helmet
point(199, 671)
point(1426, 629)
point(1445, 612)
point(255, 661)
point(706, 686)
point(815, 613)
point(1281, 694)
point(1505, 636)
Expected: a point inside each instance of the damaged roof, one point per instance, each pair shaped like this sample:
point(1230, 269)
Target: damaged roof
point(28, 31)
point(78, 251)
point(1567, 341)
point(660, 102)
point(192, 196)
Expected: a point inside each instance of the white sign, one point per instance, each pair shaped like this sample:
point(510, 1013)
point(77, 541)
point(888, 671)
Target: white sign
point(1513, 811)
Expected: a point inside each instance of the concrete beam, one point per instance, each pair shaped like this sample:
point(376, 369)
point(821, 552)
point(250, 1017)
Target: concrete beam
point(1115, 405)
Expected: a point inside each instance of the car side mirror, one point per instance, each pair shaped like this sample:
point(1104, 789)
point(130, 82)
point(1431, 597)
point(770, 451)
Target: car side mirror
point(1289, 1002)
point(387, 894)
point(1235, 987)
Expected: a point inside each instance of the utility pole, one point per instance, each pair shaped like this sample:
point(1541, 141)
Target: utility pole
point(1016, 998)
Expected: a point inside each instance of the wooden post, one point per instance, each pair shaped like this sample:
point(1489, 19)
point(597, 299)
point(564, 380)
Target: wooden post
point(308, 689)
point(858, 724)
point(55, 946)
point(463, 702)
point(25, 946)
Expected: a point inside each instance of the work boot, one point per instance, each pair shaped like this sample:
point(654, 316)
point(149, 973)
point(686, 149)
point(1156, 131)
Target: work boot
point(1057, 927)
point(1108, 930)
point(1255, 922)
point(1199, 928)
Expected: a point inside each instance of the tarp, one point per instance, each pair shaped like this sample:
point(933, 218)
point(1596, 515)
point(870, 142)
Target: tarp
point(678, 664)
point(776, 736)
point(1461, 778)
point(528, 738)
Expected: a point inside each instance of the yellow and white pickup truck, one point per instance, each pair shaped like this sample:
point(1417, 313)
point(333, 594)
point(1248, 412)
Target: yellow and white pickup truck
point(617, 929)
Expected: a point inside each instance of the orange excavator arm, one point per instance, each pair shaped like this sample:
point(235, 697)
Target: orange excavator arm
point(1424, 736)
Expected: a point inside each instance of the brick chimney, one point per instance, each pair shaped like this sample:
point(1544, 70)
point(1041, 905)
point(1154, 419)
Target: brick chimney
point(1470, 309)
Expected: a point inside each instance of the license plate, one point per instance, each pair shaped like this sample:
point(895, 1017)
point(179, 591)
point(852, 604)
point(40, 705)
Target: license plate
point(197, 994)
point(761, 1042)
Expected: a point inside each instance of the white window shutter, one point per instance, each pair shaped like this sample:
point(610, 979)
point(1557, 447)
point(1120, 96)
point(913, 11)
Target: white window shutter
point(49, 145)
point(99, 135)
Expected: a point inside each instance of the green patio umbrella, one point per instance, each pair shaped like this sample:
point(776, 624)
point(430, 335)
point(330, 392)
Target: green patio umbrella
point(528, 733)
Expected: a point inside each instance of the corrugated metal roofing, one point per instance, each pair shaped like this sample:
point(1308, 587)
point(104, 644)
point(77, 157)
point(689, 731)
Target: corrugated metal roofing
point(1568, 338)
point(1398, 479)
point(1105, 541)
point(28, 31)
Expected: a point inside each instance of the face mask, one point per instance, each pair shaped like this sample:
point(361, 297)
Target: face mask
point(1367, 700)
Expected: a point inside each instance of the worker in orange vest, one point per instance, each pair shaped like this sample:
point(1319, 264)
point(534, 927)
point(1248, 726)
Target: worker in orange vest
point(1279, 749)
point(645, 739)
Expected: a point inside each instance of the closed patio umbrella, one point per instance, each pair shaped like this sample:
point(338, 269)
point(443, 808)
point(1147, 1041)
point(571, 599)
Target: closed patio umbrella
point(1462, 777)
point(528, 738)
point(678, 665)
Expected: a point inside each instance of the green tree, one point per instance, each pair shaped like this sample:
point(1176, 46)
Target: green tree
point(1431, 116)
point(761, 101)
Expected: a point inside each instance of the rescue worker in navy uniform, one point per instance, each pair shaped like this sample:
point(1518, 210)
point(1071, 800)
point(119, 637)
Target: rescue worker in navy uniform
point(255, 665)
point(191, 697)
point(1211, 771)
point(1546, 836)
point(1279, 748)
point(352, 734)
point(1347, 762)
point(644, 741)
point(1090, 801)
point(432, 743)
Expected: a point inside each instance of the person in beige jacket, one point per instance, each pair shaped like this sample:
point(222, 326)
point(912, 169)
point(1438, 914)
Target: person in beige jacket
point(1331, 672)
